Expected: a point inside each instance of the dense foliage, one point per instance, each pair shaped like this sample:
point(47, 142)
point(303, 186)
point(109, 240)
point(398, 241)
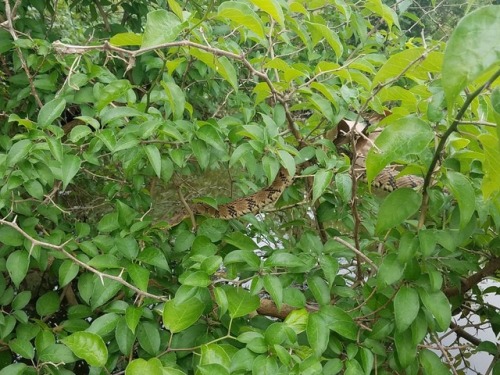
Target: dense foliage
point(114, 114)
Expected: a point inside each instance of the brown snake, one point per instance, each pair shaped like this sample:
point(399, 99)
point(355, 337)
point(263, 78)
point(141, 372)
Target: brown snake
point(386, 180)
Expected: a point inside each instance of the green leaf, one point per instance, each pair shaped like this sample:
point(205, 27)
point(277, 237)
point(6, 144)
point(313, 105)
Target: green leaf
point(89, 347)
point(69, 168)
point(463, 192)
point(18, 152)
point(275, 289)
point(139, 276)
point(17, 265)
point(56, 353)
point(339, 321)
point(321, 32)
point(132, 317)
point(220, 65)
point(67, 272)
point(405, 348)
point(432, 364)
point(125, 338)
point(318, 334)
point(126, 39)
point(148, 336)
point(142, 367)
point(21, 300)
point(114, 90)
point(491, 181)
point(176, 98)
point(273, 8)
point(319, 289)
point(197, 278)
point(22, 347)
point(406, 307)
point(241, 241)
point(179, 316)
point(322, 180)
point(241, 15)
point(472, 49)
point(396, 65)
point(240, 302)
point(47, 304)
point(438, 305)
point(103, 290)
point(10, 237)
point(154, 157)
point(283, 259)
point(104, 324)
point(14, 369)
point(215, 354)
point(330, 267)
point(396, 208)
point(34, 188)
point(50, 111)
point(161, 27)
point(390, 270)
point(406, 136)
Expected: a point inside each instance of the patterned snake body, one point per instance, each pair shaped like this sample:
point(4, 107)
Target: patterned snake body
point(387, 180)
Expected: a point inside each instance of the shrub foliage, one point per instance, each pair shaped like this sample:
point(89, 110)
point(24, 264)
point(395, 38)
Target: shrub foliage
point(115, 114)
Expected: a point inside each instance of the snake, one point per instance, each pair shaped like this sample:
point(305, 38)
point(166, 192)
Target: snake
point(388, 180)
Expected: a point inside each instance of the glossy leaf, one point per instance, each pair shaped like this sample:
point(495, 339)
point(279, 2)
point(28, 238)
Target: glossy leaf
point(241, 302)
point(179, 316)
point(393, 213)
point(89, 347)
point(141, 367)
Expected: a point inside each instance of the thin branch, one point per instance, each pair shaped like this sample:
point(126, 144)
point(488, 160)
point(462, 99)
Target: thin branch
point(60, 248)
point(356, 251)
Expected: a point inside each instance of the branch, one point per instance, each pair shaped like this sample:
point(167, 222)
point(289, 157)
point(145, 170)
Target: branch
point(489, 269)
point(60, 248)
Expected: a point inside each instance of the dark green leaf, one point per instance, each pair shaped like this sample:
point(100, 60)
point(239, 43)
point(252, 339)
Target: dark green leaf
point(50, 111)
point(317, 334)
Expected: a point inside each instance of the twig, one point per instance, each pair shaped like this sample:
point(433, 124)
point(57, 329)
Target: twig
point(356, 251)
point(60, 248)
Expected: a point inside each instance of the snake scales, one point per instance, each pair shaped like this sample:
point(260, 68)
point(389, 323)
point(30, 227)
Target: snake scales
point(387, 180)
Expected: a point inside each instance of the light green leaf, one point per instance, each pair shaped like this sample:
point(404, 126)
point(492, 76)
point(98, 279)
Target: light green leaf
point(148, 335)
point(103, 290)
point(89, 347)
point(273, 8)
point(197, 278)
point(406, 307)
point(126, 39)
point(50, 111)
point(179, 316)
point(282, 259)
point(11, 237)
point(215, 354)
point(240, 302)
point(463, 192)
point(397, 64)
point(161, 27)
point(114, 90)
point(69, 168)
point(56, 353)
point(318, 334)
point(142, 367)
point(406, 136)
point(241, 15)
point(472, 49)
point(397, 207)
point(384, 11)
point(154, 157)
